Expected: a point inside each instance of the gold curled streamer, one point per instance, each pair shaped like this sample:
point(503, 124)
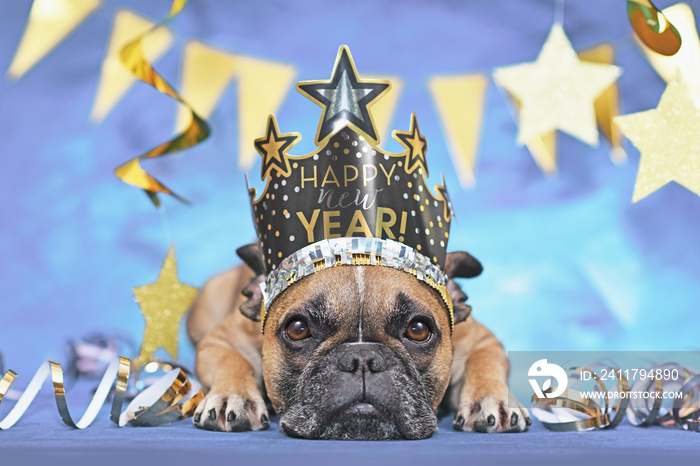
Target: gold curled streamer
point(134, 59)
point(645, 419)
point(690, 418)
point(652, 27)
point(573, 399)
point(685, 412)
point(164, 402)
point(645, 415)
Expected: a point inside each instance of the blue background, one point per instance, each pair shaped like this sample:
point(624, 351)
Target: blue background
point(570, 262)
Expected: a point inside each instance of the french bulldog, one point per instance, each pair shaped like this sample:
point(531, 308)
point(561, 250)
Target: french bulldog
point(349, 352)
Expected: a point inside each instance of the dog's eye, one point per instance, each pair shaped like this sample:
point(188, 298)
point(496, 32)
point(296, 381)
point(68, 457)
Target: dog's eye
point(418, 330)
point(297, 329)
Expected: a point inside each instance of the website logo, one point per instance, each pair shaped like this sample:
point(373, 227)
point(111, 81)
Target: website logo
point(542, 368)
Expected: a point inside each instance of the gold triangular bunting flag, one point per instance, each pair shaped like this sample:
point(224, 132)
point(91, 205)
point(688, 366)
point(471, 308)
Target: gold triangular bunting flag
point(115, 79)
point(459, 101)
point(262, 87)
point(50, 21)
point(543, 149)
point(607, 106)
point(383, 109)
point(206, 73)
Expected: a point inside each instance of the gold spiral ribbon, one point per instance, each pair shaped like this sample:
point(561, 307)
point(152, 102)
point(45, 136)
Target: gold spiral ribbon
point(585, 413)
point(597, 416)
point(686, 413)
point(171, 398)
point(652, 27)
point(134, 59)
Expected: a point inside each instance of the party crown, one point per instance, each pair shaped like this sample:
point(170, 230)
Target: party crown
point(348, 201)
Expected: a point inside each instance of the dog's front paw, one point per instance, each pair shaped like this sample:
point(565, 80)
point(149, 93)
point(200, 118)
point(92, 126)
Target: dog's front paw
point(231, 412)
point(492, 413)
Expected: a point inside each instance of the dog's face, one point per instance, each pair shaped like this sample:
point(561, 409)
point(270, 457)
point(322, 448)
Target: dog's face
point(357, 352)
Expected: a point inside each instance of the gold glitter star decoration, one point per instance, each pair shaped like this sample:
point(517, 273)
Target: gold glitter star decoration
point(416, 144)
point(163, 304)
point(667, 138)
point(557, 91)
point(273, 148)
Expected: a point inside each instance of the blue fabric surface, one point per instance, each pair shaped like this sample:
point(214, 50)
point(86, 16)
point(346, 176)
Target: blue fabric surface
point(42, 438)
point(41, 435)
point(570, 263)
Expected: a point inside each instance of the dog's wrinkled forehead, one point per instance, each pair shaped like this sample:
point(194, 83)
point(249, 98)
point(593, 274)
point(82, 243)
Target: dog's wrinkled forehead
point(365, 298)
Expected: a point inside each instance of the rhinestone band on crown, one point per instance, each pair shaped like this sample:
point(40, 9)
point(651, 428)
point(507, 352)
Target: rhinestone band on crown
point(353, 251)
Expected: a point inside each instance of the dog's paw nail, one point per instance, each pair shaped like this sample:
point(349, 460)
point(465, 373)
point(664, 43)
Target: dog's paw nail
point(458, 423)
point(229, 412)
point(265, 421)
point(493, 414)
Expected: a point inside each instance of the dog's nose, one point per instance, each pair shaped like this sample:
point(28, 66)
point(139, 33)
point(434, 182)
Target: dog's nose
point(362, 356)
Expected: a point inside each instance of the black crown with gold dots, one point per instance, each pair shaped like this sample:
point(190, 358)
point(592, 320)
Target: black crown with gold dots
point(348, 187)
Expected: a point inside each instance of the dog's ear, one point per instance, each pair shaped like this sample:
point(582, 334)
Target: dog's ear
point(460, 265)
point(250, 254)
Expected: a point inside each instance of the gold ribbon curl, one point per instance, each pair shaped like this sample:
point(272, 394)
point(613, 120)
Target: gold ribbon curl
point(652, 27)
point(688, 416)
point(598, 417)
point(685, 412)
point(164, 402)
point(685, 405)
point(134, 59)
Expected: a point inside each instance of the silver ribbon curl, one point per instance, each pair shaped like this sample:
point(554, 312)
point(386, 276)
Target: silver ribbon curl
point(584, 413)
point(173, 397)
